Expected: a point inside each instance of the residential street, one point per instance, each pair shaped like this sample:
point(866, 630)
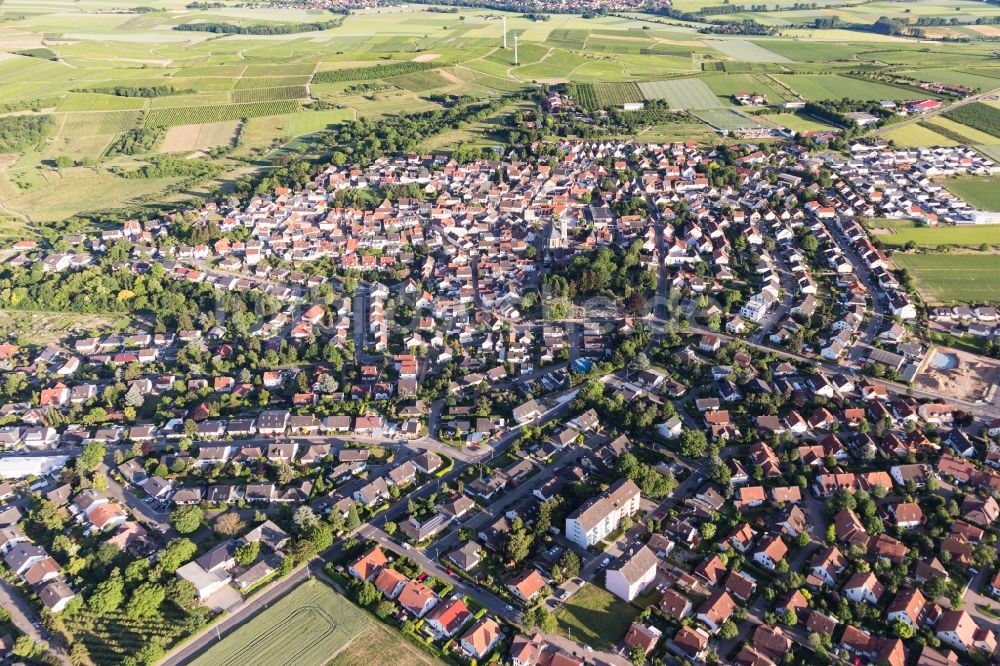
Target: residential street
point(24, 619)
point(766, 240)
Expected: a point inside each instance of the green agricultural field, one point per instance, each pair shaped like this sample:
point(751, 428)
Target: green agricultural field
point(527, 53)
point(970, 134)
point(272, 81)
point(596, 617)
point(819, 87)
point(979, 191)
point(213, 114)
point(972, 79)
point(420, 81)
point(681, 93)
point(306, 627)
point(726, 86)
point(913, 135)
point(194, 99)
point(745, 51)
point(990, 151)
point(725, 119)
point(812, 50)
point(980, 116)
point(268, 94)
point(265, 82)
point(605, 95)
point(934, 237)
point(380, 645)
point(100, 122)
point(556, 64)
point(98, 102)
point(498, 83)
point(47, 196)
point(280, 70)
point(315, 121)
point(953, 277)
point(617, 94)
point(800, 122)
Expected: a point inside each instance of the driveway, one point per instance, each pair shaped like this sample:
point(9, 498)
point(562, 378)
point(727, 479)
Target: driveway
point(160, 520)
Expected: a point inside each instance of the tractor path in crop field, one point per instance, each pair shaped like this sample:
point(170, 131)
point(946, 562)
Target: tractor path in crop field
point(239, 614)
point(510, 70)
point(451, 77)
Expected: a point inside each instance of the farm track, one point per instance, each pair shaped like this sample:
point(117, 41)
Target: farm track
point(937, 112)
point(540, 61)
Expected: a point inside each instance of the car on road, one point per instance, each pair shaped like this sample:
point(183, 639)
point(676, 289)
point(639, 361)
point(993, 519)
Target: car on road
point(509, 607)
point(588, 648)
point(405, 545)
point(605, 562)
point(451, 572)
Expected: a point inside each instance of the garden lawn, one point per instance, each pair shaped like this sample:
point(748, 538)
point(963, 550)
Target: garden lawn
point(596, 617)
point(306, 627)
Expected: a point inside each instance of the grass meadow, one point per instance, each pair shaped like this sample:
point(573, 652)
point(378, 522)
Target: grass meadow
point(595, 617)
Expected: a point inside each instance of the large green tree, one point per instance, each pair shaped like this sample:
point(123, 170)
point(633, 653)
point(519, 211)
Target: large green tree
point(187, 519)
point(108, 595)
point(146, 600)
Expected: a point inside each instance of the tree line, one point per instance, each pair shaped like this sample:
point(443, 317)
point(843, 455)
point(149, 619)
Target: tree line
point(372, 72)
point(260, 28)
point(137, 91)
